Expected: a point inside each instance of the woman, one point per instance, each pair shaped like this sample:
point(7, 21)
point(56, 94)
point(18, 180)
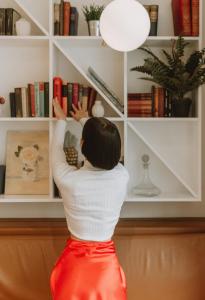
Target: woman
point(88, 268)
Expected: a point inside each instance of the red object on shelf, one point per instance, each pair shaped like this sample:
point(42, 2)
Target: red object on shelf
point(195, 17)
point(181, 10)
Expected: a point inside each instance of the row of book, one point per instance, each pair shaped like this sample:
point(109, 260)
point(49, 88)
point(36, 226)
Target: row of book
point(186, 17)
point(65, 19)
point(8, 19)
point(69, 93)
point(30, 101)
point(153, 14)
point(154, 104)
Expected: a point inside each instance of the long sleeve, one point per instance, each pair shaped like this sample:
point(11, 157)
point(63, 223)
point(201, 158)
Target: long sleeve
point(60, 166)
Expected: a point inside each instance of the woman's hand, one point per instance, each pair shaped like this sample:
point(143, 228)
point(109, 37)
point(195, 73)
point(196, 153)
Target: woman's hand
point(60, 115)
point(78, 113)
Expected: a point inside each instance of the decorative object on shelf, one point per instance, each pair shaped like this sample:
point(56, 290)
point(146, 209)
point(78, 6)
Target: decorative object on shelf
point(2, 178)
point(2, 102)
point(8, 19)
point(70, 142)
point(92, 15)
point(153, 14)
point(179, 75)
point(27, 157)
point(124, 25)
point(146, 188)
point(23, 27)
point(98, 109)
point(105, 89)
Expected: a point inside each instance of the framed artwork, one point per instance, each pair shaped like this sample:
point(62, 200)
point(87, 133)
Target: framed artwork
point(27, 163)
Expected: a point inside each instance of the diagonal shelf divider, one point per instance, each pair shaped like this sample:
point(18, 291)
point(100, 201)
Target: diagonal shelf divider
point(162, 160)
point(81, 71)
point(36, 22)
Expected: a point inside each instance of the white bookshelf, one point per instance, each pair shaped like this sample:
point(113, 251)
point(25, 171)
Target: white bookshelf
point(174, 144)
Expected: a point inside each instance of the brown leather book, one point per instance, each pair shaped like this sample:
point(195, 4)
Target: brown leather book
point(195, 17)
point(181, 17)
point(66, 20)
point(19, 110)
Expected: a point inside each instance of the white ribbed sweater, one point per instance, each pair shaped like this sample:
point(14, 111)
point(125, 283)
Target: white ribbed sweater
point(92, 197)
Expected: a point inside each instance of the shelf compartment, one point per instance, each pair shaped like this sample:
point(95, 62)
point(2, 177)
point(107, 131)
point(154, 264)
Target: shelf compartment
point(64, 68)
point(173, 189)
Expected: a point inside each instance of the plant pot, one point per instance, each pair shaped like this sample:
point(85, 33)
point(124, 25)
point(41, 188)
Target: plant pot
point(94, 28)
point(181, 108)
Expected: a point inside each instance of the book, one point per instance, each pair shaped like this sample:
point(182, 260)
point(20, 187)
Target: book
point(2, 22)
point(65, 98)
point(70, 98)
point(41, 99)
point(80, 94)
point(73, 21)
point(37, 99)
point(46, 99)
point(66, 24)
point(195, 17)
point(57, 89)
point(24, 100)
point(2, 178)
point(61, 16)
point(12, 104)
point(11, 16)
point(153, 13)
point(56, 19)
point(181, 11)
point(31, 99)
point(75, 94)
point(19, 110)
point(158, 94)
point(105, 89)
point(91, 101)
point(85, 99)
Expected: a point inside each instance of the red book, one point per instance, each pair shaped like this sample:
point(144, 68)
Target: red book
point(57, 89)
point(91, 101)
point(161, 102)
point(31, 99)
point(75, 94)
point(66, 12)
point(195, 17)
point(181, 10)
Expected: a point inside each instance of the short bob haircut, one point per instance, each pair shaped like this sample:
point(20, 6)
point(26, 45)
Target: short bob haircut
point(101, 143)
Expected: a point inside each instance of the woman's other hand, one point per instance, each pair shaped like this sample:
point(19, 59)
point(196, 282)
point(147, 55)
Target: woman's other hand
point(78, 113)
point(60, 115)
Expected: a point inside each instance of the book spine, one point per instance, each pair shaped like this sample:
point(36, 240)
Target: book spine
point(2, 178)
point(37, 99)
point(56, 19)
point(153, 19)
point(31, 93)
point(41, 99)
point(24, 102)
point(29, 101)
point(75, 94)
point(66, 28)
point(161, 102)
point(73, 21)
point(57, 89)
point(12, 104)
point(85, 99)
point(70, 97)
point(61, 17)
point(9, 21)
point(19, 111)
point(182, 17)
point(91, 101)
point(46, 99)
point(2, 21)
point(65, 98)
point(195, 17)
point(80, 95)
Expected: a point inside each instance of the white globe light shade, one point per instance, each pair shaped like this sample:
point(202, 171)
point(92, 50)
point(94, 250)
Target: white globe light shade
point(124, 25)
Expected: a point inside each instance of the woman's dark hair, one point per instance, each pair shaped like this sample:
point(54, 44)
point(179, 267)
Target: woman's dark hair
point(101, 143)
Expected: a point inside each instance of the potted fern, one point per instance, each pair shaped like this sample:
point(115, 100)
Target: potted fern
point(92, 15)
point(178, 75)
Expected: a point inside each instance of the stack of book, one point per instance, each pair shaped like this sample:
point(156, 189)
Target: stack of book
point(186, 17)
point(8, 18)
point(105, 89)
point(69, 93)
point(153, 14)
point(65, 19)
point(31, 101)
point(155, 104)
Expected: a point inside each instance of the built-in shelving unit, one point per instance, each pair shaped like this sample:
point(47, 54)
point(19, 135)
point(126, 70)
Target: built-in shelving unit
point(173, 144)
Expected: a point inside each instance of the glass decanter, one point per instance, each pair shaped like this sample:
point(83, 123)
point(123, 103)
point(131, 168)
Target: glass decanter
point(146, 188)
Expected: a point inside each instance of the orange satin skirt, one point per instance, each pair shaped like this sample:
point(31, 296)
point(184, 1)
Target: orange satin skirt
point(88, 271)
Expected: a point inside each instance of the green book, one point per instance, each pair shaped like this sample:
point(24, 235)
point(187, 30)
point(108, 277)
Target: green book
point(37, 99)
